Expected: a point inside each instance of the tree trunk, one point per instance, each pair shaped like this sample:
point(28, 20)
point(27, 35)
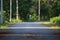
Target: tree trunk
point(10, 10)
point(1, 11)
point(38, 10)
point(17, 9)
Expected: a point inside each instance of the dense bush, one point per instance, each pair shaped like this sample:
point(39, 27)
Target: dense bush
point(55, 20)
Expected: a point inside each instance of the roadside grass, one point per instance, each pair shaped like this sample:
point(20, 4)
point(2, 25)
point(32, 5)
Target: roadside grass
point(3, 26)
point(7, 24)
point(48, 24)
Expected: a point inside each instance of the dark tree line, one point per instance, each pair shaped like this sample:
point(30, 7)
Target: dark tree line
point(25, 8)
point(28, 9)
point(50, 8)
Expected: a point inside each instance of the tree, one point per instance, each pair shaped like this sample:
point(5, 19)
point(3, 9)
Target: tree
point(10, 10)
point(2, 12)
point(45, 9)
point(39, 10)
point(17, 9)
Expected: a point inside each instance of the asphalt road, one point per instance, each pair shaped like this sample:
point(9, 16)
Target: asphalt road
point(29, 31)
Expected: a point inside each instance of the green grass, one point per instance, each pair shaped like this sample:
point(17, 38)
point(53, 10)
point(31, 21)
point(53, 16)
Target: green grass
point(48, 24)
point(4, 26)
point(7, 24)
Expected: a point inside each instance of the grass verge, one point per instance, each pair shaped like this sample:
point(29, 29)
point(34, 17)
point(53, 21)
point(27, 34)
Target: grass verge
point(4, 26)
point(7, 24)
point(48, 24)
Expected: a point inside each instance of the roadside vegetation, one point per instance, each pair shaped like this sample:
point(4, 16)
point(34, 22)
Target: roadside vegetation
point(54, 22)
point(7, 24)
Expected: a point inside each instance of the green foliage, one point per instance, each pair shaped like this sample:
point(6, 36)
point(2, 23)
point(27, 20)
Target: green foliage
point(48, 9)
point(26, 8)
point(33, 17)
point(14, 20)
point(55, 20)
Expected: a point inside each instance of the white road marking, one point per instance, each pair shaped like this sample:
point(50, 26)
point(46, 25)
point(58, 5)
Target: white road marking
point(30, 28)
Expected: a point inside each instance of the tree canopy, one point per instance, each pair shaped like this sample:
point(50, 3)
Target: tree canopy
point(28, 9)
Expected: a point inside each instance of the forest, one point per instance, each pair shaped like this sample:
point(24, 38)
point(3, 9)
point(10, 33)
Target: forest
point(28, 10)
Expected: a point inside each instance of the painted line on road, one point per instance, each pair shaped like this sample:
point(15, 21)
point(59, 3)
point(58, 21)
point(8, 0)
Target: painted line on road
point(28, 28)
point(31, 28)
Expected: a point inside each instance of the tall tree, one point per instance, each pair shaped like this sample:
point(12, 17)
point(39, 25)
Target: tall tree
point(10, 10)
point(1, 11)
point(17, 9)
point(39, 10)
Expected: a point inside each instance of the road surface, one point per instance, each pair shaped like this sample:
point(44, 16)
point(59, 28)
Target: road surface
point(29, 31)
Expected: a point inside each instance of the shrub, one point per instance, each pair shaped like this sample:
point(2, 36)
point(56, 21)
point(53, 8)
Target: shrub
point(33, 18)
point(55, 20)
point(15, 20)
